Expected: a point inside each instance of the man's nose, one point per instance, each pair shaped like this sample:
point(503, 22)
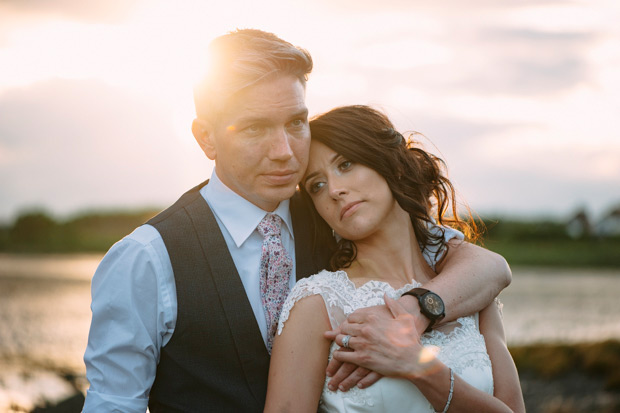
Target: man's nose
point(280, 145)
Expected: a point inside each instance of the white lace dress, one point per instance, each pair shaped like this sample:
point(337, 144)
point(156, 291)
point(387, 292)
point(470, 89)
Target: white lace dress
point(462, 347)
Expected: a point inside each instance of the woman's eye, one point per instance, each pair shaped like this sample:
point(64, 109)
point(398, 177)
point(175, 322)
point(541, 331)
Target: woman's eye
point(315, 187)
point(344, 165)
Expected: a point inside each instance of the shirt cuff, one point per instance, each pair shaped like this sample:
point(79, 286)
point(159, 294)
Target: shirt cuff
point(100, 402)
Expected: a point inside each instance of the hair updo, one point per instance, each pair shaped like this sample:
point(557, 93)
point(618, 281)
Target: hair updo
point(415, 177)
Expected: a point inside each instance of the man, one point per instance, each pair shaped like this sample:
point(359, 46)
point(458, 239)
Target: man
point(181, 320)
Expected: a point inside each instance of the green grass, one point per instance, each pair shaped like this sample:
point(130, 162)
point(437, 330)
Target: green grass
point(525, 243)
point(559, 252)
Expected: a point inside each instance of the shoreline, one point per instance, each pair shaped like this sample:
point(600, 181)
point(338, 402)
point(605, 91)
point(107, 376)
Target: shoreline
point(566, 378)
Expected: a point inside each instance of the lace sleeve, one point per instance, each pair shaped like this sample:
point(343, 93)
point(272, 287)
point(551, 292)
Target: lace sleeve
point(433, 253)
point(324, 284)
point(500, 306)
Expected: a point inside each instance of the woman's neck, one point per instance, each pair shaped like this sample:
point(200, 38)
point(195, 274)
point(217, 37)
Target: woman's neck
point(391, 254)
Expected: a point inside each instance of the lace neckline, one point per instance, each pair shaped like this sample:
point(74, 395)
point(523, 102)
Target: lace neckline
point(375, 284)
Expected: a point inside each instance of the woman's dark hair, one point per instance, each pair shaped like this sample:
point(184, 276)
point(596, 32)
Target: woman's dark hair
point(415, 177)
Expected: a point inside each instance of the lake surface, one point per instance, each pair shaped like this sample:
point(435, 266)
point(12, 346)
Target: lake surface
point(45, 307)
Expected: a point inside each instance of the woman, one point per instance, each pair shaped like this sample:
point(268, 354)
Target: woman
point(378, 193)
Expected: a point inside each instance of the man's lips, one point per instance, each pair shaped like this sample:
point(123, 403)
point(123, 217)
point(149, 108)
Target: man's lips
point(280, 177)
point(348, 209)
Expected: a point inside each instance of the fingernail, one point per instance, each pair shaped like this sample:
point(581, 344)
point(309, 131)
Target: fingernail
point(360, 386)
point(331, 387)
point(328, 374)
point(341, 388)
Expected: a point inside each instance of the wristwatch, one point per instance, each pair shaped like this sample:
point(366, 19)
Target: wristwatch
point(431, 305)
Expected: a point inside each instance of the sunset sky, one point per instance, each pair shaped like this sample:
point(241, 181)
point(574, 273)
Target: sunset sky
point(520, 97)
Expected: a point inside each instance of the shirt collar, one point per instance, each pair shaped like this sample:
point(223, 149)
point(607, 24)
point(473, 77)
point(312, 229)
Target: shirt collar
point(239, 216)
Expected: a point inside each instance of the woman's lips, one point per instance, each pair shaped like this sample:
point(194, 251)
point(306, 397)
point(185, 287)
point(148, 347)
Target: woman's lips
point(349, 209)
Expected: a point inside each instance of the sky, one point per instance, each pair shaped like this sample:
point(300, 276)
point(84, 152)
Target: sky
point(521, 98)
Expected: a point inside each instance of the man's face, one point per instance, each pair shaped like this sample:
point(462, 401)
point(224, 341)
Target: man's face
point(261, 141)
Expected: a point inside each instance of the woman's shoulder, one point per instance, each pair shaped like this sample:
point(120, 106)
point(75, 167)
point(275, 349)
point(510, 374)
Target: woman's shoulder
point(329, 285)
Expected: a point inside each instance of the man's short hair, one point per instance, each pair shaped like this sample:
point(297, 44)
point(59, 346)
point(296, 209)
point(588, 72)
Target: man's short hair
point(241, 59)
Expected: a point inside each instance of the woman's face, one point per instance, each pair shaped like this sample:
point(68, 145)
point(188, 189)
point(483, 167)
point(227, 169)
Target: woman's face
point(352, 198)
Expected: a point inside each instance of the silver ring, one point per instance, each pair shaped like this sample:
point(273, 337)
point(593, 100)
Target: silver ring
point(345, 341)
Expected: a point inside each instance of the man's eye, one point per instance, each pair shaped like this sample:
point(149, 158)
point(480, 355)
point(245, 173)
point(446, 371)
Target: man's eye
point(254, 129)
point(297, 124)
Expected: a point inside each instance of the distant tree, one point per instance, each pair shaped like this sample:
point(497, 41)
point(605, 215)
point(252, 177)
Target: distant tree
point(33, 231)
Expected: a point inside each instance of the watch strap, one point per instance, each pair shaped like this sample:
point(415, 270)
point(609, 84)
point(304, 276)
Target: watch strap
point(418, 293)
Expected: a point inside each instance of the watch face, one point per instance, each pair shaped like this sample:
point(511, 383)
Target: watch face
point(433, 304)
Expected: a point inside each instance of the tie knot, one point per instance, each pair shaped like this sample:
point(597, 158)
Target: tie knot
point(270, 226)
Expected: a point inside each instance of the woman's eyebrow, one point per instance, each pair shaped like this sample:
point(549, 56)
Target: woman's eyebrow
point(315, 173)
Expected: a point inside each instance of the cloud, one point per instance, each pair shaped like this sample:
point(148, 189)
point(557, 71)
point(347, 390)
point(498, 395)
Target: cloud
point(457, 7)
point(523, 191)
point(527, 62)
point(75, 144)
point(96, 11)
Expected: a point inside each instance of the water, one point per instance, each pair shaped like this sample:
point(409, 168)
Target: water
point(45, 311)
point(561, 305)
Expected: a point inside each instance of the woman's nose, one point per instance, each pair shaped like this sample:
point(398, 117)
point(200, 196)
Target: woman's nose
point(336, 189)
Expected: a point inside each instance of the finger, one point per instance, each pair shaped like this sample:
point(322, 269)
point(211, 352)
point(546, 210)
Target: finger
point(351, 329)
point(332, 367)
point(348, 358)
point(340, 341)
point(331, 334)
point(349, 382)
point(358, 316)
point(370, 379)
point(343, 372)
point(394, 306)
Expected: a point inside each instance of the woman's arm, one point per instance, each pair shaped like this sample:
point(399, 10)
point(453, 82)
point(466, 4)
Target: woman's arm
point(507, 395)
point(506, 385)
point(299, 358)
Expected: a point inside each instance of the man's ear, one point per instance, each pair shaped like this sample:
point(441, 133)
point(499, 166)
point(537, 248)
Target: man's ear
point(204, 133)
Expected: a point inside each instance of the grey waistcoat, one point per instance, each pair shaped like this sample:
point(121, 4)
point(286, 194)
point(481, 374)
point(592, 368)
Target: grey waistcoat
point(216, 359)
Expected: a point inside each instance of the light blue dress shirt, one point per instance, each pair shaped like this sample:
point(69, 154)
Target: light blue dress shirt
point(134, 299)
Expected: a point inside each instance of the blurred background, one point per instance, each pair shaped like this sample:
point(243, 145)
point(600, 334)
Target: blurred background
point(519, 97)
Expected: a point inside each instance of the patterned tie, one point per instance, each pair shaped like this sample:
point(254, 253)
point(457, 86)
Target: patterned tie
point(276, 267)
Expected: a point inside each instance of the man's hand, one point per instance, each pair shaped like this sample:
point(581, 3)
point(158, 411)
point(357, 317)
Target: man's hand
point(386, 345)
point(412, 305)
point(346, 375)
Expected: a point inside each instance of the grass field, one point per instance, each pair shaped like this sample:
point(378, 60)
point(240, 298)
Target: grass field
point(531, 243)
point(559, 252)
point(570, 378)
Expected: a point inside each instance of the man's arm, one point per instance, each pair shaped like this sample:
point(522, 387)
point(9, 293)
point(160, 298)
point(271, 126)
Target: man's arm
point(130, 318)
point(397, 352)
point(468, 279)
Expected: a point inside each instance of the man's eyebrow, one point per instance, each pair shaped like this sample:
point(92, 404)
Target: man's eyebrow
point(260, 119)
point(251, 119)
point(301, 113)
